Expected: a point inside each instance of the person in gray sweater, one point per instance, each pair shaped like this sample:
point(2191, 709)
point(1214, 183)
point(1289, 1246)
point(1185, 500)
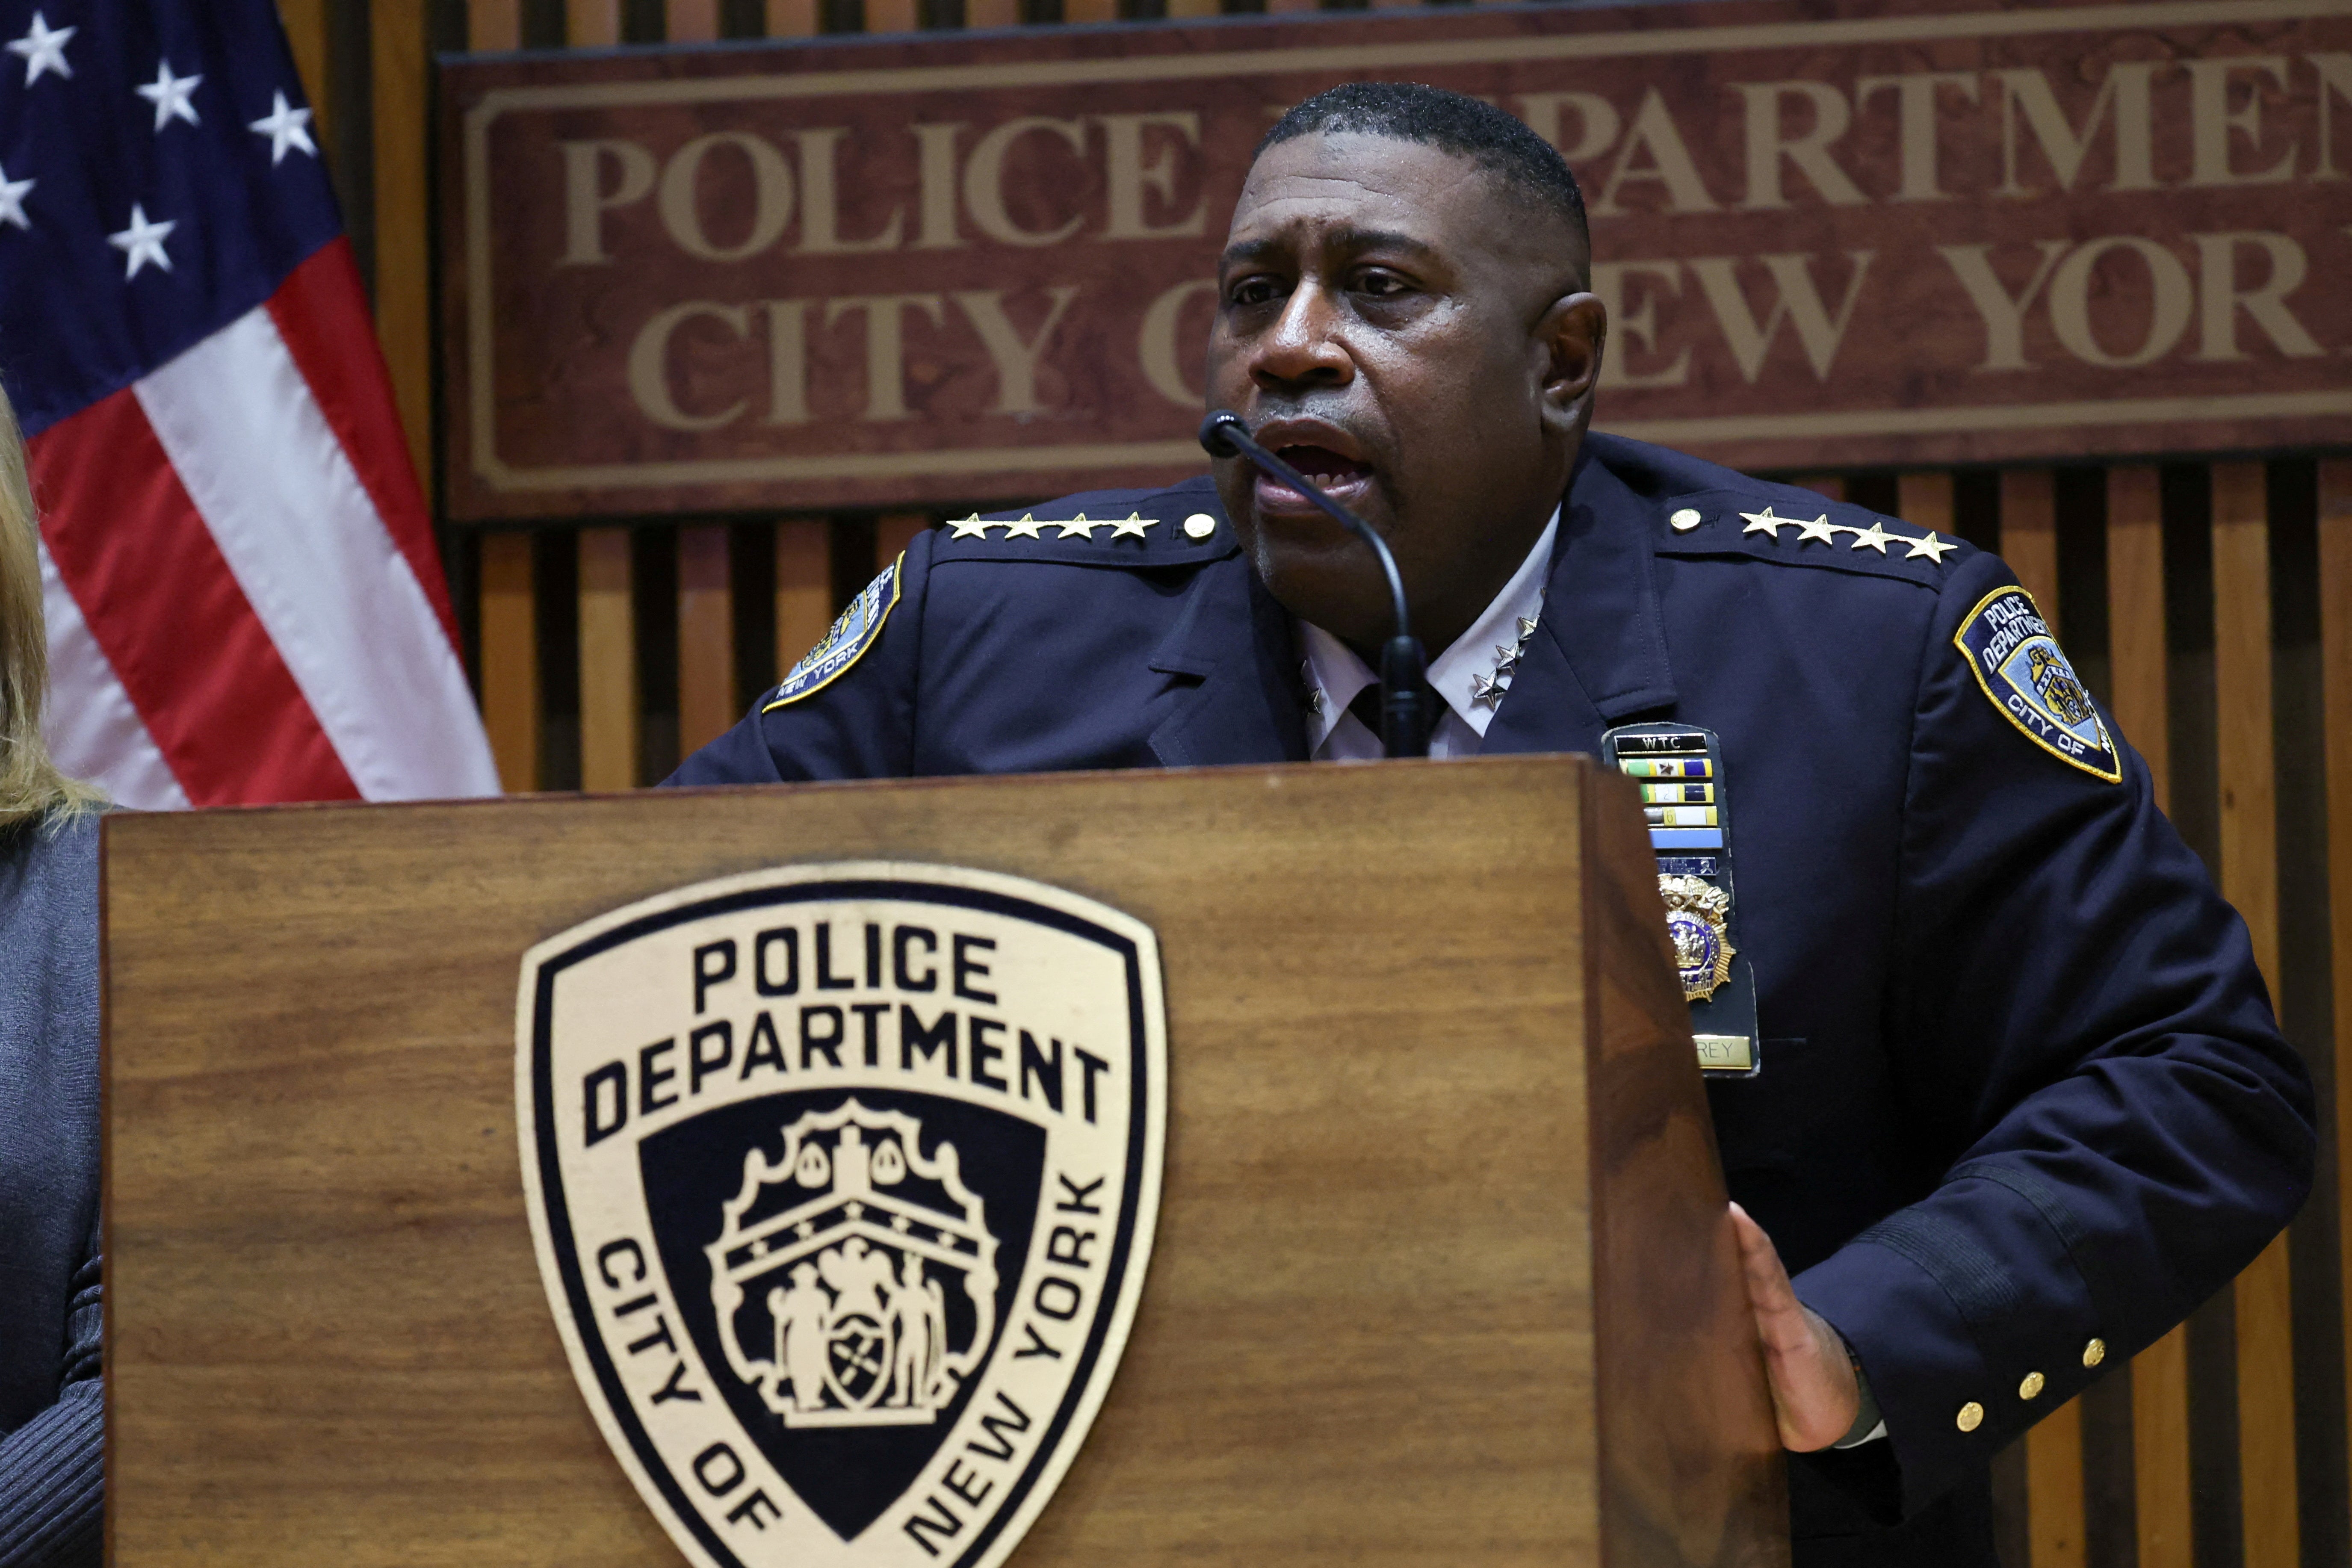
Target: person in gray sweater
point(52, 1425)
point(50, 1404)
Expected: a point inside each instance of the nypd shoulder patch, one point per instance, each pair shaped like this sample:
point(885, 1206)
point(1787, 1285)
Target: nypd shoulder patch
point(845, 643)
point(2019, 664)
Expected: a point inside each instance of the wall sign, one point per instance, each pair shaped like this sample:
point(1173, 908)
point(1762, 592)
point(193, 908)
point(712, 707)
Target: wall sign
point(964, 268)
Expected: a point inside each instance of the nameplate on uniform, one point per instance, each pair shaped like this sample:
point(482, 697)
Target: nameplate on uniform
point(842, 1180)
point(1726, 1053)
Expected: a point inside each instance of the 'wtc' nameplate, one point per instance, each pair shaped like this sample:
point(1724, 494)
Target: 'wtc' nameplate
point(843, 1180)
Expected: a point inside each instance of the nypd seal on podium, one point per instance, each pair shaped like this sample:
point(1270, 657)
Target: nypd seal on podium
point(843, 1179)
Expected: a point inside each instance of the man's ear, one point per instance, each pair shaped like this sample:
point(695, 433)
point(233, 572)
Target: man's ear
point(1573, 333)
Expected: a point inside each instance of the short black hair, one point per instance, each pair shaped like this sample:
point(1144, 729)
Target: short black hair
point(1452, 122)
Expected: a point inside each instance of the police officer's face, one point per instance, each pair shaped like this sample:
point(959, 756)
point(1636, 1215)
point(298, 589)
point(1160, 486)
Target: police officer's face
point(1409, 331)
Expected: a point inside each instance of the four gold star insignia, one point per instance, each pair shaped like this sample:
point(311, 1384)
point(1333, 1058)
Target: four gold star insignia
point(1132, 526)
point(1030, 526)
point(1874, 537)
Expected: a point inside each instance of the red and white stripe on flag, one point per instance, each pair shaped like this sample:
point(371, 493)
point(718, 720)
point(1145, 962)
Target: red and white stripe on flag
point(244, 600)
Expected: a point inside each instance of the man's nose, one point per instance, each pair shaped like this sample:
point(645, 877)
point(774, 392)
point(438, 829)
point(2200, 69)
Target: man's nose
point(1302, 347)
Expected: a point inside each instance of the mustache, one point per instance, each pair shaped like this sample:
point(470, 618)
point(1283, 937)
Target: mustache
point(1329, 410)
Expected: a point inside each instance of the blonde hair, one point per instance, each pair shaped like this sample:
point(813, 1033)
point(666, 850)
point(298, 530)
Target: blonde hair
point(30, 785)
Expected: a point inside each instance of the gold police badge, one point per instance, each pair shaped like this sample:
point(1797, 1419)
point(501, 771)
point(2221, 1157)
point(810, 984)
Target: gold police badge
point(1699, 917)
point(843, 1180)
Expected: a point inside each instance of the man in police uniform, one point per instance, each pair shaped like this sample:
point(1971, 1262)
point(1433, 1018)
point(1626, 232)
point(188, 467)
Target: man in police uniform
point(2022, 1103)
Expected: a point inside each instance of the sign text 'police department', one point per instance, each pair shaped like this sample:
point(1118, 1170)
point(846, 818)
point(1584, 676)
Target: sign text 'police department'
point(843, 1179)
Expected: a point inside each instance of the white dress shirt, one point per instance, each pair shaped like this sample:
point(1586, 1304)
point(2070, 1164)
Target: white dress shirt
point(1466, 675)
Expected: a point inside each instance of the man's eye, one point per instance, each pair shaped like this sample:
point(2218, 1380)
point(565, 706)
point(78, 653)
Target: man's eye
point(1254, 291)
point(1381, 285)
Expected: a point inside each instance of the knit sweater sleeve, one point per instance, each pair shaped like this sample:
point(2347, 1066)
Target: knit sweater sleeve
point(52, 1469)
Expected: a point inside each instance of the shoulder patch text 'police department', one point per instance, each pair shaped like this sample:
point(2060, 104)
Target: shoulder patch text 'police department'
point(2021, 668)
point(842, 1180)
point(844, 642)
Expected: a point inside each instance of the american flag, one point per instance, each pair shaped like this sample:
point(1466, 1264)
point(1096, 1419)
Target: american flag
point(244, 599)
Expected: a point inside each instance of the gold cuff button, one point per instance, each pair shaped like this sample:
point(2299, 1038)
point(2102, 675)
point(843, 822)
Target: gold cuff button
point(1972, 1416)
point(1199, 526)
point(2031, 1387)
point(2094, 1353)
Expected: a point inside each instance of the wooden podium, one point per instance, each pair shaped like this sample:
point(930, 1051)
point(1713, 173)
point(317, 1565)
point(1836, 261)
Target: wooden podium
point(1443, 1273)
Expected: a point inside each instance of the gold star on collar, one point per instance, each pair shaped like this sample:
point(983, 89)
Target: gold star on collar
point(1821, 528)
point(966, 528)
point(1025, 529)
point(1765, 522)
point(1931, 547)
point(1079, 526)
point(1489, 689)
point(1132, 528)
point(1874, 537)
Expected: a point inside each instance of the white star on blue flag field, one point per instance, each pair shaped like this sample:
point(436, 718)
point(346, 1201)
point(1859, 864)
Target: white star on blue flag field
point(159, 178)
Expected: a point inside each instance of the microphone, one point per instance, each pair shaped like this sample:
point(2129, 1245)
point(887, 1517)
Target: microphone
point(1405, 707)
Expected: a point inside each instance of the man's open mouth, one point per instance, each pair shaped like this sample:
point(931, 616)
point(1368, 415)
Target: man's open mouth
point(1322, 465)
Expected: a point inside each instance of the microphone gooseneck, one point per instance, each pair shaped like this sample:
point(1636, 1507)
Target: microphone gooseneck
point(1405, 699)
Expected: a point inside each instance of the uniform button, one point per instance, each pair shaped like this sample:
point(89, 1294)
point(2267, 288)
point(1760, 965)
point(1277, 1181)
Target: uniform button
point(1972, 1416)
point(1199, 526)
point(2031, 1387)
point(1684, 521)
point(2094, 1353)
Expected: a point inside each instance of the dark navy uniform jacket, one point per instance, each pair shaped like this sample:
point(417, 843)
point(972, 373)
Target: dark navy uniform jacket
point(2024, 1103)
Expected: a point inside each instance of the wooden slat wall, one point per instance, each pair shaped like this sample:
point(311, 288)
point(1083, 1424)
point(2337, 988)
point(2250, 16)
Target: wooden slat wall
point(507, 619)
point(306, 31)
point(404, 308)
point(609, 702)
point(803, 586)
point(803, 546)
point(2141, 702)
point(750, 597)
point(2337, 723)
point(1927, 499)
point(893, 532)
point(706, 637)
point(797, 18)
point(2056, 1517)
point(508, 626)
point(2335, 687)
point(2029, 536)
point(2242, 659)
